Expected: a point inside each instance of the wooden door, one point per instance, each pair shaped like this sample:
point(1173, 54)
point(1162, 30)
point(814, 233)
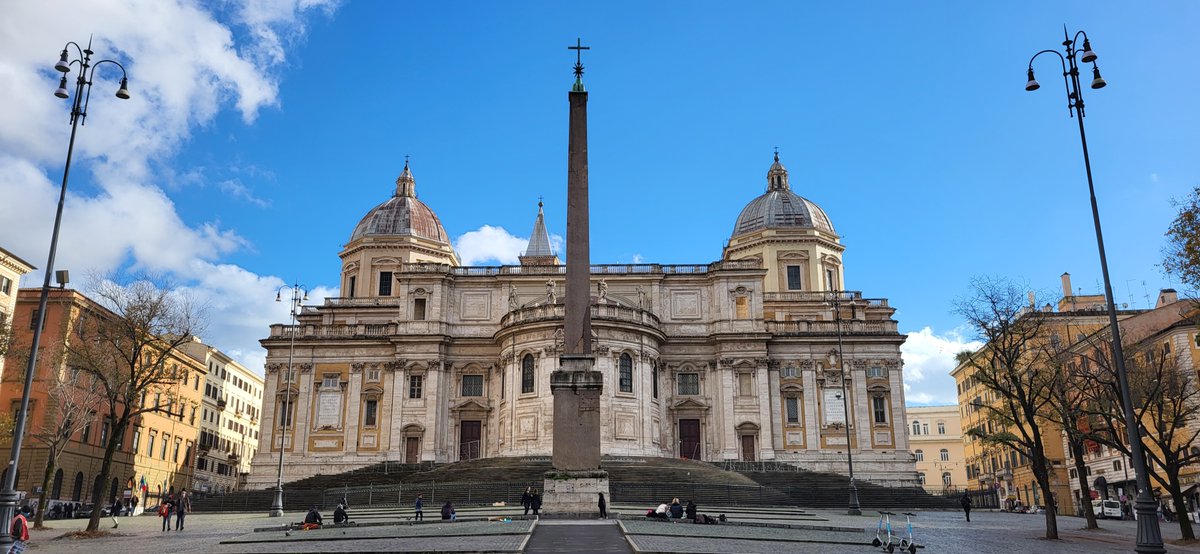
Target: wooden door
point(412, 450)
point(468, 440)
point(748, 448)
point(689, 439)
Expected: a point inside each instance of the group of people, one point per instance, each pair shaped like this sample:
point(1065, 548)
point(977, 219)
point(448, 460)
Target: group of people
point(677, 511)
point(171, 506)
point(532, 499)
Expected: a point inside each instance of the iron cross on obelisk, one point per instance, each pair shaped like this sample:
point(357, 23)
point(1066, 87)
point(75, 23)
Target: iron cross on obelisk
point(579, 48)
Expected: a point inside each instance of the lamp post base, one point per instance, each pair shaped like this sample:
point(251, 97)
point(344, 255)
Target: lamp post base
point(277, 504)
point(1149, 536)
point(854, 509)
point(9, 501)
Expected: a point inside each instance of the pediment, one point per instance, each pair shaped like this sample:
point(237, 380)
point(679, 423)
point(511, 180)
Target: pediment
point(470, 405)
point(689, 404)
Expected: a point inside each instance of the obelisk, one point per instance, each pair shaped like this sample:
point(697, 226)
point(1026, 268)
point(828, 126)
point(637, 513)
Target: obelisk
point(576, 386)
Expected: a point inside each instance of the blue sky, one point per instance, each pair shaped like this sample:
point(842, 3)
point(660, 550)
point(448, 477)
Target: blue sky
point(260, 132)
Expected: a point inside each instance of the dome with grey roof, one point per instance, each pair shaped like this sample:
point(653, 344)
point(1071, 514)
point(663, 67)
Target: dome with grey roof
point(779, 207)
point(402, 215)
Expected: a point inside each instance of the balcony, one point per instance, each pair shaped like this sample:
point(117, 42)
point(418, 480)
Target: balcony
point(221, 403)
point(823, 297)
point(356, 330)
point(550, 312)
point(606, 269)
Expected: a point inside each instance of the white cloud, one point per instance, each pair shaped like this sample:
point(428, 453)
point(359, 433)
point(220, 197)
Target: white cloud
point(637, 259)
point(184, 66)
point(489, 243)
point(928, 360)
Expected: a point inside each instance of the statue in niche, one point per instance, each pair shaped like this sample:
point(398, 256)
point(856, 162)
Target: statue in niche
point(602, 296)
point(512, 297)
point(643, 302)
point(551, 292)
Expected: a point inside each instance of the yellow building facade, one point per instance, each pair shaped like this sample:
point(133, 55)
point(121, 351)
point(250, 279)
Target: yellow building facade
point(935, 438)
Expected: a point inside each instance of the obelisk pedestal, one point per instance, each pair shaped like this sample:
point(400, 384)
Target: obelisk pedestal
point(572, 488)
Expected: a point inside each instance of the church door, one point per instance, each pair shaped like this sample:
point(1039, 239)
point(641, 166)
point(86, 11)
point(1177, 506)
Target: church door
point(468, 440)
point(689, 439)
point(748, 448)
point(412, 450)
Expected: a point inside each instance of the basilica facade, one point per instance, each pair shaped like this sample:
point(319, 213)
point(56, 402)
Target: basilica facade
point(760, 356)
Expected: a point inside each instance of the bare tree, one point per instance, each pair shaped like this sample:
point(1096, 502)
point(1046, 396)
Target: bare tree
point(1064, 407)
point(1007, 366)
point(74, 399)
point(1166, 402)
point(132, 353)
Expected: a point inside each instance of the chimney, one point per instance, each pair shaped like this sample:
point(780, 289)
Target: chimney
point(1066, 284)
point(1165, 297)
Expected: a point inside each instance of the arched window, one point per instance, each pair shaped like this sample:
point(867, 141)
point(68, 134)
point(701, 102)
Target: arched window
point(56, 489)
point(78, 490)
point(946, 479)
point(527, 374)
point(916, 427)
point(654, 379)
point(944, 455)
point(920, 455)
point(625, 366)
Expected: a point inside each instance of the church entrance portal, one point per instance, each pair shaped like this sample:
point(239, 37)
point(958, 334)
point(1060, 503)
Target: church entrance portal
point(468, 440)
point(689, 438)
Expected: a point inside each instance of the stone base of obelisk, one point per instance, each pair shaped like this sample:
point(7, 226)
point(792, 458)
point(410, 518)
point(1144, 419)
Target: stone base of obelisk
point(574, 493)
point(573, 488)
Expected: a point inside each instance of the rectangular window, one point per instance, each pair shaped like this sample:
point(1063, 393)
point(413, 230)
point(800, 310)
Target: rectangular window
point(350, 288)
point(330, 381)
point(745, 384)
point(502, 387)
point(741, 306)
point(385, 283)
point(369, 415)
point(33, 320)
point(419, 309)
point(654, 380)
point(831, 279)
point(792, 405)
point(876, 371)
point(941, 428)
point(137, 440)
point(163, 452)
point(414, 386)
point(104, 433)
point(150, 444)
point(373, 375)
point(689, 383)
point(472, 385)
point(789, 372)
point(5, 285)
point(880, 408)
point(175, 453)
point(793, 277)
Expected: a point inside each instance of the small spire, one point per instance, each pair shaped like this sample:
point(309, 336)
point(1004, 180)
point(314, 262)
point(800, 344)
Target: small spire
point(539, 251)
point(776, 155)
point(777, 176)
point(405, 184)
point(578, 48)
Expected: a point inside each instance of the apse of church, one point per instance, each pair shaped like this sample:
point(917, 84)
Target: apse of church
point(424, 360)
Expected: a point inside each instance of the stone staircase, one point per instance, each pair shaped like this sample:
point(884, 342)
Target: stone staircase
point(633, 480)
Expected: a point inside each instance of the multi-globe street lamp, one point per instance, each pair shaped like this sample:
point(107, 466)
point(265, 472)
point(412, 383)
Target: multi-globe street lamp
point(79, 106)
point(854, 508)
point(299, 295)
point(1149, 536)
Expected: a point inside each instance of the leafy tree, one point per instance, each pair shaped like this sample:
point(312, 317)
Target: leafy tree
point(1182, 253)
point(132, 353)
point(998, 314)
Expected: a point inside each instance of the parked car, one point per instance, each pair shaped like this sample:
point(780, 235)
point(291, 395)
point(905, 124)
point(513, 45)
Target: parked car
point(1106, 509)
point(86, 511)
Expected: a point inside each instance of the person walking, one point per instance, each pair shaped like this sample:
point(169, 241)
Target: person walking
point(536, 502)
point(527, 499)
point(164, 511)
point(182, 508)
point(965, 501)
point(115, 511)
point(418, 514)
point(603, 507)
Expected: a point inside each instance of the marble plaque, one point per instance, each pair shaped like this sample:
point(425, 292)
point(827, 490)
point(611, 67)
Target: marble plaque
point(795, 438)
point(883, 437)
point(329, 409)
point(837, 440)
point(326, 443)
point(475, 305)
point(835, 411)
point(625, 426)
point(527, 426)
point(685, 304)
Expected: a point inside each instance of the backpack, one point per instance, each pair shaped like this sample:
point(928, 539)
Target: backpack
point(164, 510)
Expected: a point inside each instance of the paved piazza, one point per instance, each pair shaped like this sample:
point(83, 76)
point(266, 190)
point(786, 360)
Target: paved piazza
point(938, 531)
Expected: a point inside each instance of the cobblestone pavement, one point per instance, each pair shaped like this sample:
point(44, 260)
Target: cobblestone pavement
point(936, 531)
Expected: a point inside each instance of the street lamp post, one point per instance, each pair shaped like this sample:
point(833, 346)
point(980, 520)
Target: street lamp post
point(854, 509)
point(1149, 536)
point(79, 106)
point(299, 294)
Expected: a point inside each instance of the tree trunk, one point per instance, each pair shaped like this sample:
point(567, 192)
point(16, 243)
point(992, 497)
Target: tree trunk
point(1051, 504)
point(1180, 507)
point(106, 473)
point(1085, 493)
point(51, 465)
